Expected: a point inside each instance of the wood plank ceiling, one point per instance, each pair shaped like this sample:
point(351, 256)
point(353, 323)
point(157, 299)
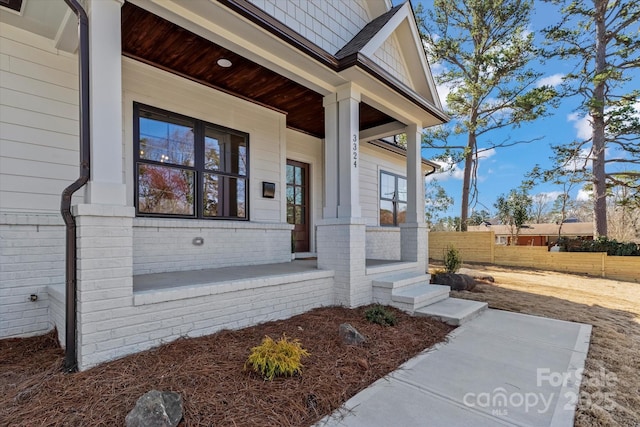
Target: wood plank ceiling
point(158, 42)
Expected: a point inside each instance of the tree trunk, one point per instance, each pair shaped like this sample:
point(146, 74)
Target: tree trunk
point(598, 125)
point(466, 182)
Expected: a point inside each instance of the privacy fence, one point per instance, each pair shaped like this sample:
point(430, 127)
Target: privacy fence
point(480, 247)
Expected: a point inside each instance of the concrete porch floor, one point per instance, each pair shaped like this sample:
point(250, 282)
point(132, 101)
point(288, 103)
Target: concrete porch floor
point(175, 279)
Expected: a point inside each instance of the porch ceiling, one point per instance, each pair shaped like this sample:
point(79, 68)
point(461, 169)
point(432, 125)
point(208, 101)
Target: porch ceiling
point(151, 39)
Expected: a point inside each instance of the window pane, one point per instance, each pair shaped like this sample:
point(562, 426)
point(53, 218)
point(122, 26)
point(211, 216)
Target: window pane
point(238, 204)
point(402, 213)
point(165, 190)
point(290, 217)
point(212, 159)
point(299, 195)
point(386, 212)
point(166, 140)
point(387, 186)
point(210, 195)
point(298, 172)
point(290, 191)
point(299, 212)
point(238, 155)
point(402, 189)
point(234, 197)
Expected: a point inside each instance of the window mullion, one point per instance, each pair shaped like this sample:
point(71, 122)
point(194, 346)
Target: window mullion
point(199, 166)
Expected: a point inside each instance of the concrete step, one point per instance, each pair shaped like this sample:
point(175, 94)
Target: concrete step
point(411, 298)
point(400, 280)
point(454, 311)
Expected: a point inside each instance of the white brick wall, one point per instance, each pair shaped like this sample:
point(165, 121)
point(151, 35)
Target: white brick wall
point(414, 244)
point(161, 245)
point(31, 258)
point(329, 24)
point(383, 243)
point(341, 248)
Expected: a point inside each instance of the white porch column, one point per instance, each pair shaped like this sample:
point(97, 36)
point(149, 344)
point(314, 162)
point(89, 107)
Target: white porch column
point(348, 152)
point(415, 180)
point(341, 234)
point(330, 208)
point(413, 233)
point(106, 183)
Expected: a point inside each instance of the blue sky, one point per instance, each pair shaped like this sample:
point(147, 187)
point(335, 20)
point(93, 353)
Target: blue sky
point(504, 169)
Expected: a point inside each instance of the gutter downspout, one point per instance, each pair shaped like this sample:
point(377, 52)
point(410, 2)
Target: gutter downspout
point(71, 355)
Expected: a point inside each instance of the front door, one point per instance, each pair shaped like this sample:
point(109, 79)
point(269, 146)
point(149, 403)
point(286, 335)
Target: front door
point(298, 204)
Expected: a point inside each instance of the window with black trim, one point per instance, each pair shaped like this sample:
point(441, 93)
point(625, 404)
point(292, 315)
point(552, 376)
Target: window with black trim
point(12, 4)
point(393, 199)
point(189, 168)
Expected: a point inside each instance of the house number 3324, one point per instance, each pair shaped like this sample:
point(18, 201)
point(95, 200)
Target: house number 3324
point(354, 150)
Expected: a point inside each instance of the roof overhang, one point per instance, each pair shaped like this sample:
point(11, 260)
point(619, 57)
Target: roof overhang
point(240, 26)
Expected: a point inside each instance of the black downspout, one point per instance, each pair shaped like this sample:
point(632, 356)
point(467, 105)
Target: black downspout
point(71, 355)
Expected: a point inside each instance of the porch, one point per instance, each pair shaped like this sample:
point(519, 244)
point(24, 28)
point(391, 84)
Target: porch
point(168, 286)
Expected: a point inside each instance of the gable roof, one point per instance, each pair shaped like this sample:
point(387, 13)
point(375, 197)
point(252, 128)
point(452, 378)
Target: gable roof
point(366, 34)
point(399, 22)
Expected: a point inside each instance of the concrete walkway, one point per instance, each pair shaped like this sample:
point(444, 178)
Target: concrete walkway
point(499, 369)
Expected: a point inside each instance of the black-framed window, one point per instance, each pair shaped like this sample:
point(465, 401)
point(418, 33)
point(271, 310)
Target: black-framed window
point(393, 199)
point(189, 168)
point(12, 4)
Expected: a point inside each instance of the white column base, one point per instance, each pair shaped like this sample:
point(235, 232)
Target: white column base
point(341, 247)
point(104, 271)
point(414, 244)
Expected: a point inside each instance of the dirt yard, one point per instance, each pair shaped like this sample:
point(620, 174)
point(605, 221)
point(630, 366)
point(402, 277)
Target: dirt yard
point(610, 391)
point(209, 374)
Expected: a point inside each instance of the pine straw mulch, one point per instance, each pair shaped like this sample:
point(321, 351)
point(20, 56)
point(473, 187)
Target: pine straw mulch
point(209, 374)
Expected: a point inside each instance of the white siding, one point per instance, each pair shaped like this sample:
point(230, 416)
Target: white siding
point(329, 24)
point(372, 161)
point(38, 122)
point(308, 149)
point(389, 56)
point(266, 128)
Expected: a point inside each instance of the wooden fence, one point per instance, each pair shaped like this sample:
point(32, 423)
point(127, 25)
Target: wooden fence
point(480, 247)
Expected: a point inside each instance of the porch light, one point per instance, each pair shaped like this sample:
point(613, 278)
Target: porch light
point(224, 63)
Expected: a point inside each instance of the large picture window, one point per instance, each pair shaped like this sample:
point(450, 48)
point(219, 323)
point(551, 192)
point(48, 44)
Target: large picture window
point(393, 199)
point(189, 168)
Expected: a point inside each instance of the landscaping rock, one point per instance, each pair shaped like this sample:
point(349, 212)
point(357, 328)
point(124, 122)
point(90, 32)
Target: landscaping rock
point(477, 275)
point(350, 335)
point(457, 282)
point(156, 409)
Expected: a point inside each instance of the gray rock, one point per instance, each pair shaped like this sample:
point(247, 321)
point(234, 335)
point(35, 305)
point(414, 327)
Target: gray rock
point(350, 335)
point(457, 282)
point(156, 409)
point(478, 275)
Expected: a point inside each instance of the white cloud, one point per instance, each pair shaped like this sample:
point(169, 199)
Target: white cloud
point(552, 80)
point(584, 195)
point(582, 124)
point(485, 154)
point(547, 195)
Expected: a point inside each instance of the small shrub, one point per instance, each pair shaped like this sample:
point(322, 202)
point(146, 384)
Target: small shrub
point(280, 358)
point(380, 315)
point(452, 260)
